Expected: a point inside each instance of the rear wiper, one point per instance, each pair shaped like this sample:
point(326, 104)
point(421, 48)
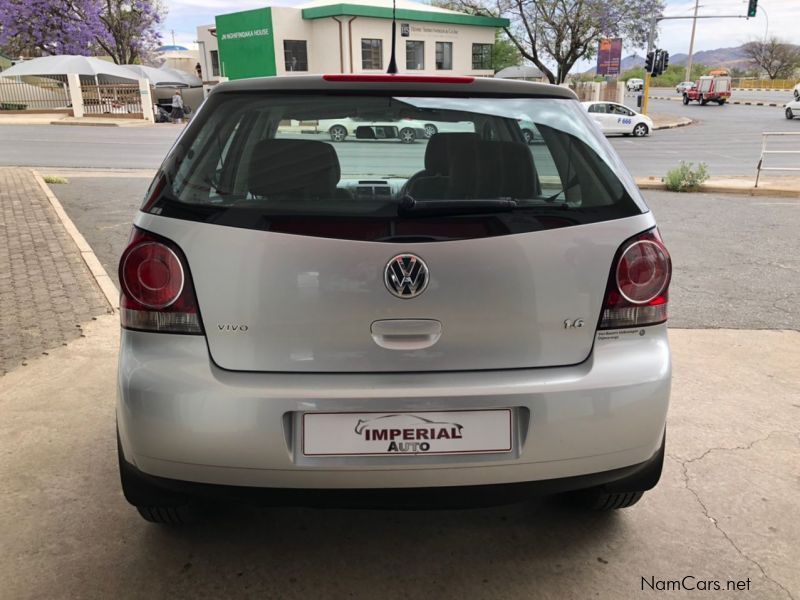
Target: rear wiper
point(410, 206)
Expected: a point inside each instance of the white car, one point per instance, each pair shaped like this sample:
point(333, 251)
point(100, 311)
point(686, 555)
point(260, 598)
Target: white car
point(683, 86)
point(406, 130)
point(792, 109)
point(618, 118)
point(634, 85)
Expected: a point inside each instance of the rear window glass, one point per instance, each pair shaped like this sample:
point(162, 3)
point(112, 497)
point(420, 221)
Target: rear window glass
point(391, 168)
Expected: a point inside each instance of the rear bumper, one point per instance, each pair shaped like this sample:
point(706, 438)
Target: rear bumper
point(182, 418)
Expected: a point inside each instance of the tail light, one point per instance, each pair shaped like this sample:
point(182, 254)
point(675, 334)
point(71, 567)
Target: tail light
point(637, 292)
point(157, 291)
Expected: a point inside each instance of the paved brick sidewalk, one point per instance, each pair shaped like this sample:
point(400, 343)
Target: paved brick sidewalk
point(46, 290)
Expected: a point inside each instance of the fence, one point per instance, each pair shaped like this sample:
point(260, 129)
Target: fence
point(35, 94)
point(769, 84)
point(791, 152)
point(117, 100)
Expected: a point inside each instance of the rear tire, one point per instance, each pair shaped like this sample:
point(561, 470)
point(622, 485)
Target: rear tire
point(430, 130)
point(155, 504)
point(685, 99)
point(408, 135)
point(789, 113)
point(601, 502)
point(703, 101)
point(721, 102)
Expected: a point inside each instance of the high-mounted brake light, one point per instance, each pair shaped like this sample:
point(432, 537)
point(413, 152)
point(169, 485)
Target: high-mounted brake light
point(638, 288)
point(397, 79)
point(156, 287)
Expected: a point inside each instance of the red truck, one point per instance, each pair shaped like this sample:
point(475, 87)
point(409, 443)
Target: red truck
point(709, 88)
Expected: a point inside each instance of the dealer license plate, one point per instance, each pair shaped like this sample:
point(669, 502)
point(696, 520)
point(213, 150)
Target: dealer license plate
point(424, 432)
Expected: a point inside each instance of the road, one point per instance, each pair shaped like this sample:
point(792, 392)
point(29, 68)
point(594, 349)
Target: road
point(726, 138)
point(735, 257)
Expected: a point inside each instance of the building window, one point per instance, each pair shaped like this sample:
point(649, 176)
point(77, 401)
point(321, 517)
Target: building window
point(371, 54)
point(295, 55)
point(482, 56)
point(444, 56)
point(415, 55)
point(214, 63)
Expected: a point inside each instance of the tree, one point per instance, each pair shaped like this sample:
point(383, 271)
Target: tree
point(562, 32)
point(777, 58)
point(505, 53)
point(126, 30)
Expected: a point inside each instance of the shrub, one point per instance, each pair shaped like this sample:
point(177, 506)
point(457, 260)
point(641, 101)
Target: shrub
point(684, 178)
point(55, 179)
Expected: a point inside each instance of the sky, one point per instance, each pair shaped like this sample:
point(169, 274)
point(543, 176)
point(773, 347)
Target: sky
point(782, 16)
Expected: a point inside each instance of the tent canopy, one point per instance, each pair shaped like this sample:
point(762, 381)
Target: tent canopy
point(59, 66)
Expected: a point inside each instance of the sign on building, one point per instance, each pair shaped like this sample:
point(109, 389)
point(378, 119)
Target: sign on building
point(609, 56)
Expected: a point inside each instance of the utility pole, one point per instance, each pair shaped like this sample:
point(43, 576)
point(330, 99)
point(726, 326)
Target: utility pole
point(691, 42)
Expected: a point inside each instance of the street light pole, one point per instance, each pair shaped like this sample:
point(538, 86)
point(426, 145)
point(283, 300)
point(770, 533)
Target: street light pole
point(691, 42)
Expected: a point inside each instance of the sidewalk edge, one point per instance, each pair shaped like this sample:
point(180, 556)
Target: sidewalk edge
point(104, 282)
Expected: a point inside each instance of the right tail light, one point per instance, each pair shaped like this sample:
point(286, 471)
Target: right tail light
point(638, 287)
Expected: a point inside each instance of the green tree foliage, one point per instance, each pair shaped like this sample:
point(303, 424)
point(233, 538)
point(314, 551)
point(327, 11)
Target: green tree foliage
point(505, 53)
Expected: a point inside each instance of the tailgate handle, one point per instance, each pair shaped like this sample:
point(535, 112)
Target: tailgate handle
point(406, 334)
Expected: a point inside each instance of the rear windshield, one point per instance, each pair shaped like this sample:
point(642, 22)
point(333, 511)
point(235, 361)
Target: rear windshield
point(391, 168)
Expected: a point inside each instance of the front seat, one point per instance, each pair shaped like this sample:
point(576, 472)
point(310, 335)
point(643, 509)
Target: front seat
point(431, 182)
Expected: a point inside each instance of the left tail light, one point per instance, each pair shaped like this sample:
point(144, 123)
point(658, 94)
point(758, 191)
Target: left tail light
point(157, 293)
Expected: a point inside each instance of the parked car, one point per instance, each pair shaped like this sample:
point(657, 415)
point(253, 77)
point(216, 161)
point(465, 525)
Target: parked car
point(792, 109)
point(683, 86)
point(709, 88)
point(405, 130)
point(613, 117)
point(304, 323)
point(634, 85)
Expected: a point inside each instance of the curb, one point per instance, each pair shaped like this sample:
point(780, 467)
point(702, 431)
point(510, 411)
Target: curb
point(682, 123)
point(104, 282)
point(76, 124)
point(655, 183)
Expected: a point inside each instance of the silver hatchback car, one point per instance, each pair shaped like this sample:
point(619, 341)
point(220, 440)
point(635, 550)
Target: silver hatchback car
point(465, 316)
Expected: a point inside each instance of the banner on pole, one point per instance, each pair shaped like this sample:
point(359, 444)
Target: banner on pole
point(609, 56)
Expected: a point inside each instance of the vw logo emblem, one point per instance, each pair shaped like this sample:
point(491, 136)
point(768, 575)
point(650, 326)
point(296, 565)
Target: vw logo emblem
point(406, 276)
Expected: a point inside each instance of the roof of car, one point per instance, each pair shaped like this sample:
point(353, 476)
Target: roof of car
point(400, 83)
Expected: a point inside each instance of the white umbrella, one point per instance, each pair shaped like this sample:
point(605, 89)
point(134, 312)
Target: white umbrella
point(85, 66)
point(158, 77)
point(521, 72)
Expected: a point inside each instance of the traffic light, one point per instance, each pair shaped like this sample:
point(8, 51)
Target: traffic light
point(648, 62)
point(663, 62)
point(752, 6)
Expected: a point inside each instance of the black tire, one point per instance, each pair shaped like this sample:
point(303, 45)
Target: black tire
point(602, 502)
point(155, 504)
point(430, 130)
point(527, 135)
point(685, 99)
point(408, 135)
point(789, 113)
point(338, 133)
point(640, 130)
point(703, 101)
point(721, 101)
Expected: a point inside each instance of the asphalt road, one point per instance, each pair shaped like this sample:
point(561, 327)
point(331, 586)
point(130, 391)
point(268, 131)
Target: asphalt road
point(744, 95)
point(736, 258)
point(728, 139)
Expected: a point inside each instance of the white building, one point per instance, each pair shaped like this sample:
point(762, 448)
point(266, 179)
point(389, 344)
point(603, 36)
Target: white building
point(327, 37)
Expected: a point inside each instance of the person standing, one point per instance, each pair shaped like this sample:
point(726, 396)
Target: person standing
point(177, 107)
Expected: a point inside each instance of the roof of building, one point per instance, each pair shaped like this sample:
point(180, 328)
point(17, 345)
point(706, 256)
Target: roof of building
point(406, 11)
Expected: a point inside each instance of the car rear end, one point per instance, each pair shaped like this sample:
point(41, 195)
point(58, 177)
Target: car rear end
point(467, 312)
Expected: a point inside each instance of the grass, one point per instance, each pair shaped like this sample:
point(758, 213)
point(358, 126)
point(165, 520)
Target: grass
point(54, 179)
point(685, 178)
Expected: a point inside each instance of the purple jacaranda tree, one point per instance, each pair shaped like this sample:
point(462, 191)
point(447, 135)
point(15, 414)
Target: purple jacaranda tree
point(562, 32)
point(126, 30)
